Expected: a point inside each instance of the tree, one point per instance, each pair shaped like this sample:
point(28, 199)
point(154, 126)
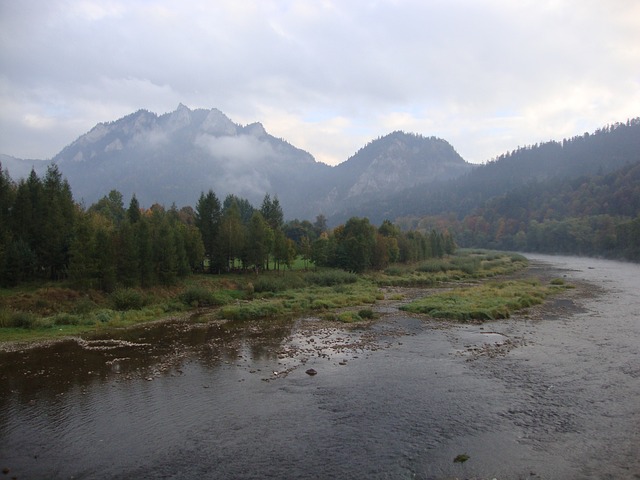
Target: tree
point(259, 240)
point(356, 245)
point(208, 222)
point(165, 251)
point(133, 212)
point(7, 199)
point(272, 212)
point(57, 225)
point(305, 250)
point(126, 251)
point(231, 236)
point(280, 249)
point(27, 216)
point(110, 206)
point(245, 209)
point(145, 251)
point(320, 225)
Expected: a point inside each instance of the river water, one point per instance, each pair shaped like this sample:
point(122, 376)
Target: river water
point(553, 393)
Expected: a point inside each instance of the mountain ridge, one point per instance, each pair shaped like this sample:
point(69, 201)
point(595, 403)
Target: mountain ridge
point(171, 158)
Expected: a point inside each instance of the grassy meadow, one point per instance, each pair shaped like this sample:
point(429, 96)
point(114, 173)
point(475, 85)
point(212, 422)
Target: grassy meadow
point(37, 312)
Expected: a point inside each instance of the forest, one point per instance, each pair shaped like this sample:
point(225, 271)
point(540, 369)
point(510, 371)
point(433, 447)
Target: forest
point(46, 236)
point(580, 196)
point(592, 215)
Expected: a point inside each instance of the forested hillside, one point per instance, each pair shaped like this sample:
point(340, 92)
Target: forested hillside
point(596, 214)
point(603, 151)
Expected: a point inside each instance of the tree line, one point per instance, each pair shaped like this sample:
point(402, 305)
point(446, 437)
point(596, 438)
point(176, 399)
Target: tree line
point(46, 236)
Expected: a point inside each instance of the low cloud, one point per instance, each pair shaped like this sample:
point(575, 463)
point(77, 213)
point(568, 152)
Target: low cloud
point(326, 76)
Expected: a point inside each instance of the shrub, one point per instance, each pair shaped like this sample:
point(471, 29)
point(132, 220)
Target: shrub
point(5, 318)
point(366, 313)
point(348, 317)
point(84, 306)
point(23, 320)
point(198, 297)
point(395, 271)
point(43, 323)
point(433, 266)
point(329, 278)
point(127, 299)
point(65, 319)
point(104, 316)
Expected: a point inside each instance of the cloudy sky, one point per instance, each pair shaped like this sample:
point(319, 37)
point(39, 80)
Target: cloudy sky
point(326, 75)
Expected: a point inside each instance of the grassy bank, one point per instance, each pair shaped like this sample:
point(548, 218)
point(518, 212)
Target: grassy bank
point(48, 311)
point(489, 301)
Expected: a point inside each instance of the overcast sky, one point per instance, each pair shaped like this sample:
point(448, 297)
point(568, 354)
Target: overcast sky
point(327, 76)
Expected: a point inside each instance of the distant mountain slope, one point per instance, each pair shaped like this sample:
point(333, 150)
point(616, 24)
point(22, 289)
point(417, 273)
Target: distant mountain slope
point(173, 157)
point(20, 168)
point(606, 150)
point(389, 165)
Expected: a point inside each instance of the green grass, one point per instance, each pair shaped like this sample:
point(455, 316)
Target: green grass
point(488, 301)
point(464, 266)
point(35, 312)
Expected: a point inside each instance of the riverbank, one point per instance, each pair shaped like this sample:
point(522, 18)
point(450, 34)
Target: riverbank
point(546, 394)
point(41, 315)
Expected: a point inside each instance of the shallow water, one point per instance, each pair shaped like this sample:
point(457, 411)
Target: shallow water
point(553, 396)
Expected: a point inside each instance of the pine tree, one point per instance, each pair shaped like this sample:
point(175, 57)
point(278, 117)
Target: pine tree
point(58, 219)
point(133, 212)
point(208, 222)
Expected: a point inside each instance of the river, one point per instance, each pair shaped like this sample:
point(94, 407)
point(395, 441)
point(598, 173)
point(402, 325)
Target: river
point(553, 393)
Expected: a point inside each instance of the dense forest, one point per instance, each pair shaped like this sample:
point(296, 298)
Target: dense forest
point(580, 196)
point(596, 215)
point(45, 235)
point(603, 151)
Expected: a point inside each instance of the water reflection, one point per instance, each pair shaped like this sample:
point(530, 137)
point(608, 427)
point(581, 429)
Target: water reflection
point(398, 400)
point(145, 352)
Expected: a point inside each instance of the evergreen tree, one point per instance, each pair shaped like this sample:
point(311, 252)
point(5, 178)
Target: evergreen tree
point(232, 234)
point(208, 222)
point(259, 241)
point(272, 212)
point(110, 206)
point(126, 252)
point(57, 225)
point(165, 251)
point(145, 251)
point(245, 208)
point(81, 252)
point(7, 199)
point(133, 212)
point(103, 258)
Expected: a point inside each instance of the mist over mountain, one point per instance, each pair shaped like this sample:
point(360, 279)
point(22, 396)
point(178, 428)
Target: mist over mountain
point(20, 168)
point(173, 157)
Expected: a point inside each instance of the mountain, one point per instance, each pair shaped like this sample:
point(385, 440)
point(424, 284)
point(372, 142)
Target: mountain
point(387, 166)
point(606, 150)
point(174, 157)
point(20, 168)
